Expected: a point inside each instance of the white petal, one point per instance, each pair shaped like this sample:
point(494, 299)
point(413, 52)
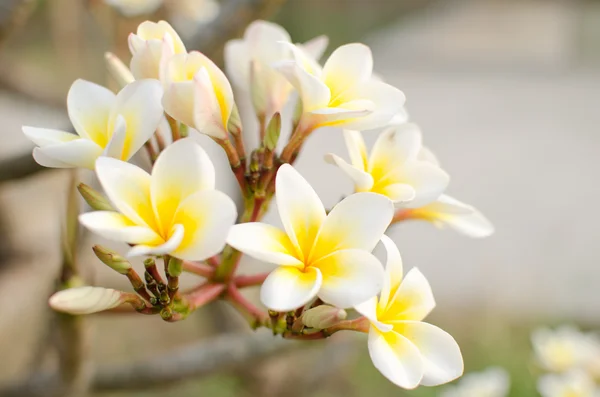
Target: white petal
point(300, 209)
point(347, 66)
point(441, 355)
point(77, 153)
point(86, 300)
point(396, 358)
point(140, 104)
point(237, 63)
point(395, 146)
point(263, 242)
point(206, 218)
point(148, 57)
point(209, 117)
point(117, 70)
point(369, 310)
point(349, 277)
point(387, 102)
point(358, 221)
point(428, 181)
point(339, 116)
point(178, 101)
point(288, 288)
point(157, 30)
point(181, 170)
point(264, 39)
point(315, 47)
point(128, 188)
point(114, 148)
point(356, 149)
point(461, 217)
point(44, 137)
point(89, 107)
point(399, 193)
point(393, 270)
point(313, 93)
point(175, 239)
point(47, 161)
point(413, 300)
point(117, 227)
point(361, 179)
point(427, 155)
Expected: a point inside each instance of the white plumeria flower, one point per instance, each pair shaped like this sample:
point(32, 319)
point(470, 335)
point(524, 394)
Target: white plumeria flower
point(342, 93)
point(106, 125)
point(493, 382)
point(151, 47)
point(570, 384)
point(324, 255)
point(249, 64)
point(406, 350)
point(561, 350)
point(394, 167)
point(198, 94)
point(133, 8)
point(174, 211)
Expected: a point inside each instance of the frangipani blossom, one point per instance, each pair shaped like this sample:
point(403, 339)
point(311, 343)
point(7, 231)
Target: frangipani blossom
point(198, 94)
point(406, 350)
point(493, 382)
point(249, 64)
point(174, 211)
point(341, 93)
point(571, 384)
point(395, 167)
point(151, 47)
point(563, 349)
point(324, 255)
point(106, 125)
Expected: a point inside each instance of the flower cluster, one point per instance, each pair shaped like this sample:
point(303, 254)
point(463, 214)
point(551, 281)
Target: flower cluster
point(325, 269)
point(572, 360)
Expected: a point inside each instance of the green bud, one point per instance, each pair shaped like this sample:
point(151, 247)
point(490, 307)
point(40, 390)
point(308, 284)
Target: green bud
point(323, 316)
point(175, 267)
point(272, 132)
point(112, 259)
point(94, 198)
point(234, 125)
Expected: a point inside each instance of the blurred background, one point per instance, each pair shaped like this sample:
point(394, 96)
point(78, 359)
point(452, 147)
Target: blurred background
point(506, 93)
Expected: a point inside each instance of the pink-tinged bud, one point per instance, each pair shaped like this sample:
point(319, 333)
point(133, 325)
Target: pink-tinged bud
point(323, 316)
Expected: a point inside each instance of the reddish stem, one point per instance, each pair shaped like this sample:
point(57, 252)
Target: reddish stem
point(256, 316)
point(250, 281)
point(203, 295)
point(214, 260)
point(198, 268)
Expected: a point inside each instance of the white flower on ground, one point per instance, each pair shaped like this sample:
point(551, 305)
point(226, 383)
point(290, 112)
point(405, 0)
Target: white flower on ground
point(174, 211)
point(563, 349)
point(324, 255)
point(342, 93)
point(493, 382)
point(133, 8)
point(406, 350)
point(106, 125)
point(249, 64)
point(570, 384)
point(395, 167)
point(197, 93)
point(151, 47)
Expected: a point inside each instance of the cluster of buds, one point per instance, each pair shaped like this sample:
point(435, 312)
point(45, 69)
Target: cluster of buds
point(174, 213)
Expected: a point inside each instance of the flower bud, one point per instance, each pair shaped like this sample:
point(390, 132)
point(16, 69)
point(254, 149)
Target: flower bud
point(234, 125)
point(117, 70)
point(323, 316)
point(112, 259)
point(87, 300)
point(272, 132)
point(175, 267)
point(94, 198)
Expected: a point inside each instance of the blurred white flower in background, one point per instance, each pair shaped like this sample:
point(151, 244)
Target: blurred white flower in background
point(564, 348)
point(570, 384)
point(134, 8)
point(187, 15)
point(492, 382)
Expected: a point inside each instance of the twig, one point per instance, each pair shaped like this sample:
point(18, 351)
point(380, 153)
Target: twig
point(199, 269)
point(250, 281)
point(196, 360)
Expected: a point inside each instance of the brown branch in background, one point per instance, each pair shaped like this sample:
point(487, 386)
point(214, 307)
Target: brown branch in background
point(192, 361)
point(18, 167)
point(234, 16)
